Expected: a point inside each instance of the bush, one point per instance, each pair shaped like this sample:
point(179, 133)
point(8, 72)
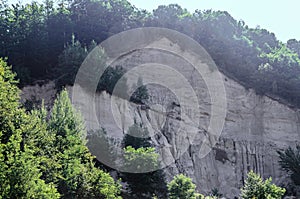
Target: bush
point(140, 95)
point(137, 136)
point(182, 187)
point(70, 60)
point(256, 188)
point(110, 78)
point(139, 154)
point(290, 162)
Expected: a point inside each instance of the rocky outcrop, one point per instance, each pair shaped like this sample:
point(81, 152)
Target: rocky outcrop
point(255, 126)
point(42, 92)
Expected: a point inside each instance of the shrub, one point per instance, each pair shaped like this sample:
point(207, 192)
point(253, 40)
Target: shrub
point(256, 188)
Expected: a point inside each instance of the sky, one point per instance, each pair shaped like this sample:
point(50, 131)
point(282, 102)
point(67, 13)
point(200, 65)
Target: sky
point(281, 17)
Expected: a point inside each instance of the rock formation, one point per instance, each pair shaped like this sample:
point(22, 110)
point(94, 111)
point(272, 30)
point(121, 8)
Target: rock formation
point(255, 127)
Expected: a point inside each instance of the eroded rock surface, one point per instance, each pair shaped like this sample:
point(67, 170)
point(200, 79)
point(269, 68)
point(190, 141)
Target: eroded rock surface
point(255, 126)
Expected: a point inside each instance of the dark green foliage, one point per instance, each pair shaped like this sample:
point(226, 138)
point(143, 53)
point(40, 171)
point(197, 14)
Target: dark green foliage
point(140, 95)
point(182, 187)
point(143, 184)
point(290, 162)
point(142, 158)
point(69, 62)
point(215, 192)
point(41, 31)
point(256, 188)
point(110, 78)
point(30, 40)
point(32, 103)
point(71, 59)
point(294, 45)
point(100, 146)
point(144, 177)
point(279, 70)
point(108, 15)
point(137, 136)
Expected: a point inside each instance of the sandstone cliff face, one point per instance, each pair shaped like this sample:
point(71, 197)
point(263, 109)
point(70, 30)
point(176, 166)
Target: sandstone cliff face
point(255, 127)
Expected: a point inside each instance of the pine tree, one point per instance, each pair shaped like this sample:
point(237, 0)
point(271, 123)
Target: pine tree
point(256, 187)
point(100, 146)
point(20, 175)
point(43, 141)
point(290, 162)
point(141, 94)
point(76, 176)
point(137, 136)
point(69, 62)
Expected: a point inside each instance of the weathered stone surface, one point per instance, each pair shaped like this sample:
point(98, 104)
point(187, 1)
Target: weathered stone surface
point(44, 91)
point(255, 127)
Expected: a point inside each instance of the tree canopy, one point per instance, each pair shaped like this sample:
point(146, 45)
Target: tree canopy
point(256, 187)
point(42, 157)
point(36, 36)
point(290, 162)
point(46, 158)
point(20, 172)
point(142, 173)
point(182, 187)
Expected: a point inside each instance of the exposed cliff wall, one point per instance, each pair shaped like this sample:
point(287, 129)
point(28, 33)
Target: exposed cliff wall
point(255, 127)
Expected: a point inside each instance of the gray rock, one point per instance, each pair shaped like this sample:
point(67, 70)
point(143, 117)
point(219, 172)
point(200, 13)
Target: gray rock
point(255, 128)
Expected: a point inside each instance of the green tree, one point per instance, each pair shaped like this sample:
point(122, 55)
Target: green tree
point(40, 139)
point(290, 162)
point(182, 187)
point(140, 95)
point(139, 159)
point(144, 177)
point(294, 45)
point(137, 136)
point(100, 146)
point(169, 16)
point(76, 175)
point(109, 79)
point(107, 16)
point(69, 62)
point(256, 187)
point(20, 175)
point(27, 24)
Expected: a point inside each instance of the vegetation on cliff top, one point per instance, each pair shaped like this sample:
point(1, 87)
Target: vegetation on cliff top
point(35, 37)
point(43, 157)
